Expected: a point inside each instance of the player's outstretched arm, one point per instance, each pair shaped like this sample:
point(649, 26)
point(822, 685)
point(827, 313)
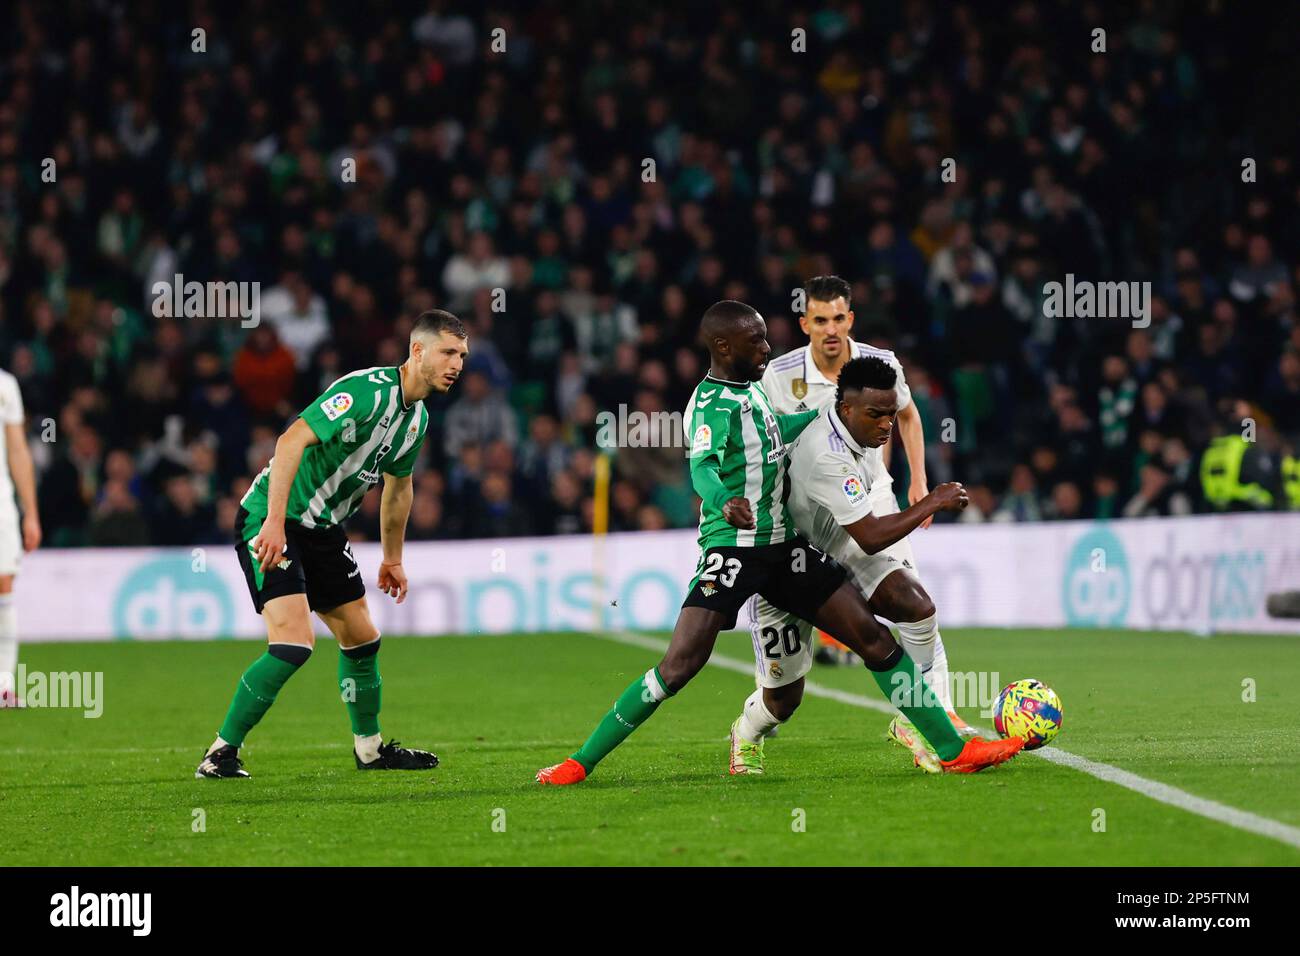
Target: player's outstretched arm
point(394, 510)
point(912, 435)
point(270, 541)
point(24, 477)
point(873, 534)
point(792, 426)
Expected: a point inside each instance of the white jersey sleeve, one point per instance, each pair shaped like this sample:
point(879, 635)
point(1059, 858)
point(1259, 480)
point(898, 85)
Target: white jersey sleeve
point(776, 386)
point(11, 400)
point(904, 393)
point(836, 485)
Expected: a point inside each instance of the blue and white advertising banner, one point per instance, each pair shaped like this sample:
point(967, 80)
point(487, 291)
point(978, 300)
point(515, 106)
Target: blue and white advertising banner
point(1204, 574)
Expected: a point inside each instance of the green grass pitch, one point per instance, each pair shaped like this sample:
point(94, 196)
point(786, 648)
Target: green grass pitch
point(119, 790)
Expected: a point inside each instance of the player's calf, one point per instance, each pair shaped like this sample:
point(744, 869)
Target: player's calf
point(846, 616)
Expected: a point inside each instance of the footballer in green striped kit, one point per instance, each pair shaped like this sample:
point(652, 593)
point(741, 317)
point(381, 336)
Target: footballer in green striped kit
point(367, 427)
point(749, 545)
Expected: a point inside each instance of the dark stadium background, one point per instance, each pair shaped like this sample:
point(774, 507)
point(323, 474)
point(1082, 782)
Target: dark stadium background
point(522, 171)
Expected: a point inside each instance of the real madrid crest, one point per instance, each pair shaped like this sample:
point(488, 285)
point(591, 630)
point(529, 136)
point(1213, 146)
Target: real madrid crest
point(798, 388)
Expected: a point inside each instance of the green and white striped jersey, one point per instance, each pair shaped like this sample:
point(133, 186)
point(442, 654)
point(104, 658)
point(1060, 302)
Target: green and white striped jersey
point(734, 423)
point(365, 431)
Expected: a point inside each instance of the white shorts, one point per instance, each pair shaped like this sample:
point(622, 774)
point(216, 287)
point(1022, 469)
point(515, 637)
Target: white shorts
point(11, 543)
point(784, 644)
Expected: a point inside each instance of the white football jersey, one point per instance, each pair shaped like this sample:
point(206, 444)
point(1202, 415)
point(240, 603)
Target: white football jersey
point(11, 413)
point(793, 383)
point(834, 481)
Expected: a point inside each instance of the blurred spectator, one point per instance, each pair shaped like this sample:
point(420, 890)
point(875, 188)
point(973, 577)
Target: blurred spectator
point(510, 188)
point(117, 521)
point(298, 315)
point(478, 416)
point(264, 373)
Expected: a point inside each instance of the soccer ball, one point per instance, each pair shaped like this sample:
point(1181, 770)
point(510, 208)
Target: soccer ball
point(1029, 709)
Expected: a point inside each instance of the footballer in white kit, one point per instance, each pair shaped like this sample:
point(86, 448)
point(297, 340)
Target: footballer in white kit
point(17, 534)
point(794, 383)
point(784, 645)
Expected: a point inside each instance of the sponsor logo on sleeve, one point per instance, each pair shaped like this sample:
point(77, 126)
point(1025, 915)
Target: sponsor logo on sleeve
point(336, 405)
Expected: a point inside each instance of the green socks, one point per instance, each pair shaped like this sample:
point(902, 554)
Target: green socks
point(258, 687)
point(633, 708)
point(361, 686)
point(902, 682)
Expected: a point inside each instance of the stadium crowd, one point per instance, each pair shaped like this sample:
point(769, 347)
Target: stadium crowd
point(512, 186)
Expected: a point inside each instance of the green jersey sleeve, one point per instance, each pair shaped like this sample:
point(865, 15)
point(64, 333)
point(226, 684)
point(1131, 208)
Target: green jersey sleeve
point(792, 426)
point(349, 400)
point(710, 432)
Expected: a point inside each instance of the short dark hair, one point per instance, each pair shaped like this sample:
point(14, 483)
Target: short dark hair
point(865, 372)
point(721, 316)
point(436, 321)
point(827, 289)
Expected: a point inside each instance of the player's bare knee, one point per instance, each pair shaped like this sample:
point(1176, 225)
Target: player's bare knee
point(359, 635)
point(678, 669)
point(288, 623)
point(914, 602)
point(918, 607)
point(875, 640)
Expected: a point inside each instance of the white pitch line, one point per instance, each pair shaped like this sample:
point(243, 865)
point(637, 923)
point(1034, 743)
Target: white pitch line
point(1160, 792)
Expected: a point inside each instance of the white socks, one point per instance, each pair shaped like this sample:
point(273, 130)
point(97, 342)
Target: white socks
point(756, 721)
point(923, 644)
point(8, 642)
point(367, 747)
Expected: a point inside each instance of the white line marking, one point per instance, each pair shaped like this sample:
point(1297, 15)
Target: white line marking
point(1160, 792)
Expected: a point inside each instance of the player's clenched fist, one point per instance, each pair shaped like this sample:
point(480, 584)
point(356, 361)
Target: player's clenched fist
point(738, 514)
point(950, 496)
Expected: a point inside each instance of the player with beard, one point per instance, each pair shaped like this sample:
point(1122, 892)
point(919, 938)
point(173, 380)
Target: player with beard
point(367, 427)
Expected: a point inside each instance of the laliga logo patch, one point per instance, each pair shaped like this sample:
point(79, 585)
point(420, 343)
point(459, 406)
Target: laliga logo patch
point(336, 405)
point(853, 489)
point(703, 439)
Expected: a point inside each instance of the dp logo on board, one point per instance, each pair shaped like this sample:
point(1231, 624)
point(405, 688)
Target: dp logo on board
point(167, 598)
point(1097, 583)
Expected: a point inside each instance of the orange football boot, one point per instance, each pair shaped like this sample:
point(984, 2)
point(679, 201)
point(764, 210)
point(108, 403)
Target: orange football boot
point(563, 774)
point(980, 753)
